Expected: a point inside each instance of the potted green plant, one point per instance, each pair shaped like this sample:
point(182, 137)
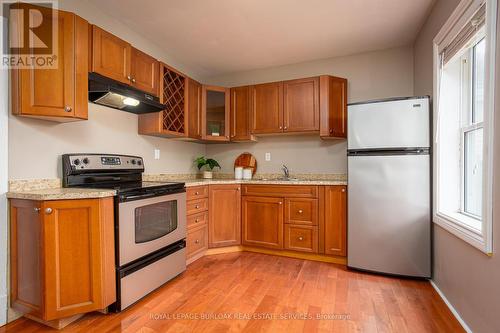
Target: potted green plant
point(208, 163)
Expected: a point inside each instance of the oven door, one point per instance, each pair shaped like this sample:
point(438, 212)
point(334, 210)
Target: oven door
point(148, 225)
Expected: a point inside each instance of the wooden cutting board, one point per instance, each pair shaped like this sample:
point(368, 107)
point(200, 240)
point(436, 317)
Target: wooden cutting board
point(246, 160)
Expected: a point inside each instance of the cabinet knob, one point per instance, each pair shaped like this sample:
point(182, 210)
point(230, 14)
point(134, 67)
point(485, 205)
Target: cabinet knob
point(196, 221)
point(237, 189)
point(197, 241)
point(300, 238)
point(285, 128)
point(300, 211)
point(331, 131)
point(196, 206)
point(129, 77)
point(196, 193)
point(280, 203)
point(281, 127)
point(133, 80)
point(37, 209)
point(48, 210)
point(67, 108)
point(343, 190)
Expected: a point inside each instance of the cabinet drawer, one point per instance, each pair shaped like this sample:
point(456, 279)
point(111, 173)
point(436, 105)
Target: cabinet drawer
point(301, 211)
point(196, 206)
point(196, 241)
point(297, 191)
point(302, 238)
point(197, 219)
point(196, 192)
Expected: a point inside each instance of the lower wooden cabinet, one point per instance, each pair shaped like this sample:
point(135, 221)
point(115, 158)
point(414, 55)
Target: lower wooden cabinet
point(335, 215)
point(302, 238)
point(224, 226)
point(262, 221)
point(62, 257)
point(197, 241)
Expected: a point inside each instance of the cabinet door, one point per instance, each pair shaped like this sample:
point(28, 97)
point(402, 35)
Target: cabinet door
point(333, 110)
point(59, 93)
point(262, 221)
point(267, 113)
point(241, 106)
point(110, 55)
point(224, 224)
point(73, 261)
point(301, 105)
point(144, 72)
point(196, 241)
point(215, 102)
point(194, 109)
point(335, 220)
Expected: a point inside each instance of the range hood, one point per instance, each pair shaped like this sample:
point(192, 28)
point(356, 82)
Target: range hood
point(116, 95)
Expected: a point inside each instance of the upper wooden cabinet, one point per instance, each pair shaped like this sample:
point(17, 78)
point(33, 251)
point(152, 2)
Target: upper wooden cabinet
point(114, 58)
point(267, 111)
point(241, 111)
point(224, 226)
point(262, 221)
point(333, 107)
point(215, 102)
point(193, 108)
point(144, 71)
point(301, 105)
point(60, 93)
point(335, 215)
point(62, 257)
point(111, 56)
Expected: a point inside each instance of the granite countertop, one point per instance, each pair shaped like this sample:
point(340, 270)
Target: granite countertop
point(60, 194)
point(50, 189)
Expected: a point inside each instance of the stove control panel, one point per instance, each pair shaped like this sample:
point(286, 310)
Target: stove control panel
point(103, 162)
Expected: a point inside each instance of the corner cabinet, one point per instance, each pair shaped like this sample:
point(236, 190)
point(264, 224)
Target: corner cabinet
point(215, 102)
point(62, 257)
point(61, 93)
point(333, 102)
point(262, 221)
point(241, 114)
point(224, 223)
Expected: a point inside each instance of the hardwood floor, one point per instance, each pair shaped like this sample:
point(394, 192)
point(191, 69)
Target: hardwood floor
point(252, 287)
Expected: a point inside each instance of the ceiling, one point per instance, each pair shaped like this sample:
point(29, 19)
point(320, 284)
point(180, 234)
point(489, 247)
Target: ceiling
point(220, 36)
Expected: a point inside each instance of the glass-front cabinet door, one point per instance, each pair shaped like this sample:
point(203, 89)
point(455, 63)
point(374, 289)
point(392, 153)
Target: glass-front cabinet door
point(215, 120)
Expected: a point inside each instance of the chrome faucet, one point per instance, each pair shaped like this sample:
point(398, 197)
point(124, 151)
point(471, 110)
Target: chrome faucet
point(285, 171)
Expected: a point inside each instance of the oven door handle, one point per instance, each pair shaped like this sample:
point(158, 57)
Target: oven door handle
point(139, 196)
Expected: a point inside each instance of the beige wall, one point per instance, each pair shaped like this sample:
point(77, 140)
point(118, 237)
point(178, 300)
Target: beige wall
point(469, 279)
point(35, 146)
point(371, 75)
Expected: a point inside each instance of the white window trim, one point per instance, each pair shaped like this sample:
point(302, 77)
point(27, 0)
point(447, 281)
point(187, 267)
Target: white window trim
point(454, 224)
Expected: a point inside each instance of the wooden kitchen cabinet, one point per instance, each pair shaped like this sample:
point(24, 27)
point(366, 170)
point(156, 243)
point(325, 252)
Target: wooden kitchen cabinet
point(60, 93)
point(215, 113)
point(196, 241)
point(267, 108)
point(333, 107)
point(144, 71)
point(262, 221)
point(335, 220)
point(301, 211)
point(303, 238)
point(197, 222)
point(111, 56)
point(224, 226)
point(301, 105)
point(193, 108)
point(241, 111)
point(62, 257)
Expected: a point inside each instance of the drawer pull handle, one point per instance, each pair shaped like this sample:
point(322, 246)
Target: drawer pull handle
point(301, 238)
point(197, 241)
point(196, 193)
point(196, 221)
point(48, 210)
point(343, 190)
point(300, 211)
point(280, 203)
point(196, 206)
point(37, 209)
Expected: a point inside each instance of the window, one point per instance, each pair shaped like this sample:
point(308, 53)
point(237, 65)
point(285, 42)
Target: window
point(464, 93)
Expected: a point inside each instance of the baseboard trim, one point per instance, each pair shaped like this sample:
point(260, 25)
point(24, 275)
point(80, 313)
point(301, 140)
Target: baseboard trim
point(450, 306)
point(283, 253)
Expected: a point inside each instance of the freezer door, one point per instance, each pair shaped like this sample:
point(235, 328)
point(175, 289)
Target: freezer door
point(389, 124)
point(389, 222)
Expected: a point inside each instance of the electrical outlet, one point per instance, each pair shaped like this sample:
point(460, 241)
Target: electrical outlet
point(268, 157)
point(157, 154)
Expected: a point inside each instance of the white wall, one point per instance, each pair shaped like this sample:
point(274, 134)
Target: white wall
point(467, 277)
point(371, 75)
point(35, 146)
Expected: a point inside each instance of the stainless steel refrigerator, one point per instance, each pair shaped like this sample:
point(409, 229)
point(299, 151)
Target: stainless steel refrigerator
point(389, 213)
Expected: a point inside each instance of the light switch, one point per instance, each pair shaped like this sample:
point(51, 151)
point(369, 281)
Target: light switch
point(268, 157)
point(157, 154)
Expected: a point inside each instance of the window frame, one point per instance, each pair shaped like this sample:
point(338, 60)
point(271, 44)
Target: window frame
point(459, 224)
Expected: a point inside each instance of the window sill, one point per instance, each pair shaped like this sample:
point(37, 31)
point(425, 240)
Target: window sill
point(459, 225)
